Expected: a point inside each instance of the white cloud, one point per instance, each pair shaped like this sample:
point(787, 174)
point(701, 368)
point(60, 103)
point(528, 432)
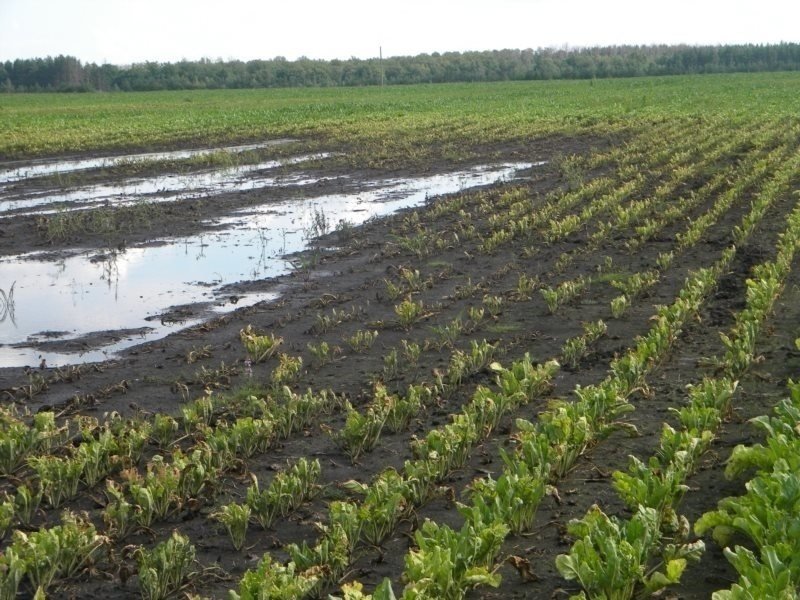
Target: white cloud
point(125, 31)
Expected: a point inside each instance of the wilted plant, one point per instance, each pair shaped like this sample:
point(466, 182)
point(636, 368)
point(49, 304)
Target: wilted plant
point(196, 353)
point(525, 287)
point(408, 312)
point(619, 306)
point(164, 430)
point(119, 515)
point(288, 369)
point(494, 304)
point(259, 347)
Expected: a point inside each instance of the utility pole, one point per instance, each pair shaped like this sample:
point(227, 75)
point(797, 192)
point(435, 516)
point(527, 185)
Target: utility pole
point(380, 58)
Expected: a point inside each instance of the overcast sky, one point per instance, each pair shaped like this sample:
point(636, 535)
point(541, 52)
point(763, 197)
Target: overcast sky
point(126, 31)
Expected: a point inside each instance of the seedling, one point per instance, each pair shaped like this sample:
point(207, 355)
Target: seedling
point(259, 347)
point(163, 570)
point(235, 517)
point(361, 341)
point(408, 312)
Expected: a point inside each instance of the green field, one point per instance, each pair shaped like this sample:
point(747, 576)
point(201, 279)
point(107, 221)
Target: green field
point(393, 117)
point(578, 382)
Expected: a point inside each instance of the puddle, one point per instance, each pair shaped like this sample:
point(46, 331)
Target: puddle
point(40, 168)
point(160, 188)
point(119, 291)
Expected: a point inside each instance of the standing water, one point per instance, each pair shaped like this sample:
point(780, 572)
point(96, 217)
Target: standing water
point(122, 291)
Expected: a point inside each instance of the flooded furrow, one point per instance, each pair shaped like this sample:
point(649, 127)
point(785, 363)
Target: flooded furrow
point(66, 303)
point(160, 188)
point(21, 170)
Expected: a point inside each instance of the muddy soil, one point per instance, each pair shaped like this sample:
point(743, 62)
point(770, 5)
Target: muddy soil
point(349, 277)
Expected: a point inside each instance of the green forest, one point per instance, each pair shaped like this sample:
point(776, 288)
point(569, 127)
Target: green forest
point(68, 74)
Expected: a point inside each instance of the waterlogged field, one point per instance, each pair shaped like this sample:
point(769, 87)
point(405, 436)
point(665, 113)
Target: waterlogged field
point(540, 386)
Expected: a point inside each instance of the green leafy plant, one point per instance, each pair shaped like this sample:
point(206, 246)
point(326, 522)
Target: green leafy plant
point(61, 551)
point(494, 304)
point(361, 341)
point(286, 492)
point(288, 369)
point(164, 569)
point(235, 518)
point(277, 581)
point(408, 312)
point(611, 556)
point(619, 306)
point(447, 563)
point(59, 478)
point(361, 431)
point(164, 430)
point(404, 408)
point(323, 353)
point(259, 347)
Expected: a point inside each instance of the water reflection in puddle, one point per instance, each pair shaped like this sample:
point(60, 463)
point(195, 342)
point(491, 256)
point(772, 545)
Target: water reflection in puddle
point(169, 188)
point(119, 291)
point(40, 168)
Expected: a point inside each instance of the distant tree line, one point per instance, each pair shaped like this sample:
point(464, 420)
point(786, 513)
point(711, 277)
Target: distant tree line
point(66, 73)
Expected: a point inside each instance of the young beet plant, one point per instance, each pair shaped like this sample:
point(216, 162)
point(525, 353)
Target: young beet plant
point(163, 570)
point(288, 369)
point(45, 555)
point(18, 440)
point(447, 563)
point(286, 492)
point(361, 341)
point(59, 477)
point(385, 503)
point(361, 431)
point(259, 347)
point(576, 348)
point(235, 517)
point(408, 312)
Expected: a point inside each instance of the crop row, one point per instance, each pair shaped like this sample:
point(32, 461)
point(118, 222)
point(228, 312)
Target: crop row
point(611, 557)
